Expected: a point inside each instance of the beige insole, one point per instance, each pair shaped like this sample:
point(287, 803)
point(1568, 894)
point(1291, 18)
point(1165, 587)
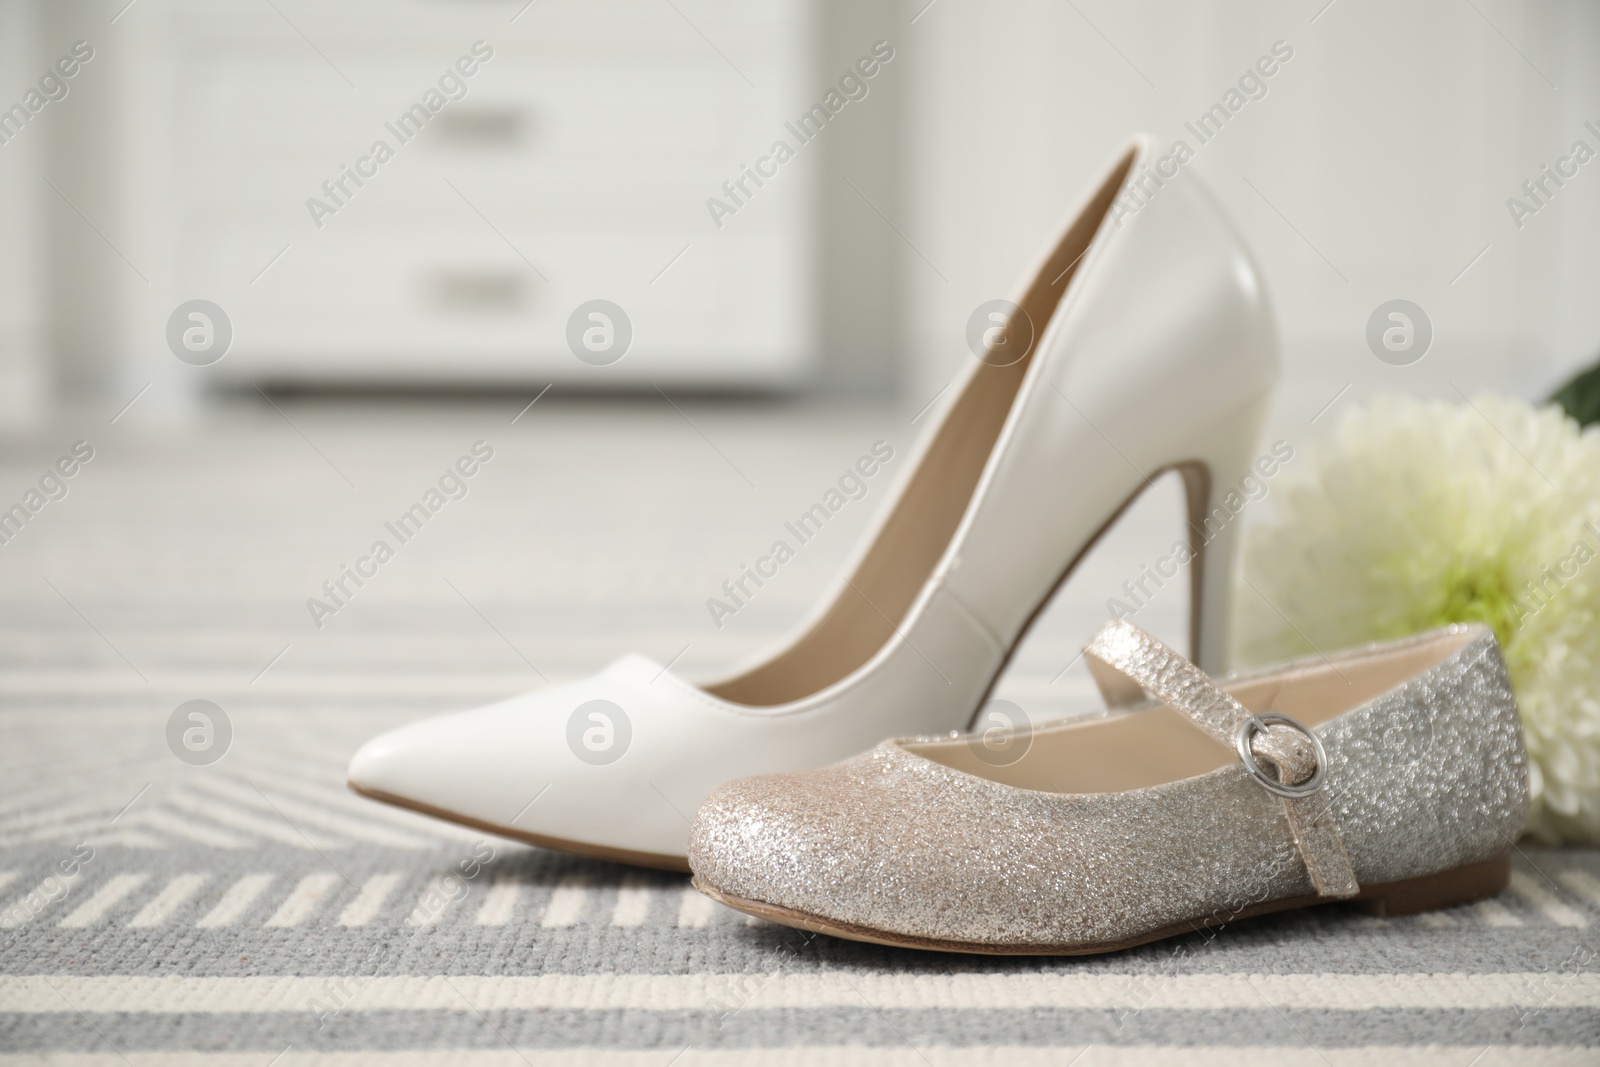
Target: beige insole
point(1155, 744)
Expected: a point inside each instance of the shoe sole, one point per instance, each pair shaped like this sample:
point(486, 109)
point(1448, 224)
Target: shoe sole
point(657, 860)
point(1407, 897)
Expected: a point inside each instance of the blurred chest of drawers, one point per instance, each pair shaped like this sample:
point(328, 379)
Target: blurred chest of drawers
point(532, 159)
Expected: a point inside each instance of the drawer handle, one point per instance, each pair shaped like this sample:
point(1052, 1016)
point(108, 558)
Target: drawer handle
point(487, 127)
point(482, 292)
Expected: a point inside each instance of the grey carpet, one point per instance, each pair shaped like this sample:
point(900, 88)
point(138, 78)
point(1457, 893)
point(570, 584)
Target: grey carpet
point(253, 912)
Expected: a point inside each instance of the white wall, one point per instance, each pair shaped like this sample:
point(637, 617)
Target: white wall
point(22, 367)
point(1576, 326)
point(1390, 141)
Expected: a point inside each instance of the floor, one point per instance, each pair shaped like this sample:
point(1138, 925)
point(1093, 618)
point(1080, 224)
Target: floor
point(159, 905)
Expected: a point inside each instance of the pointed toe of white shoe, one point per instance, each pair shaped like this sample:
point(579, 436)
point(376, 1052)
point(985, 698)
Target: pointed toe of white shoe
point(437, 764)
point(549, 768)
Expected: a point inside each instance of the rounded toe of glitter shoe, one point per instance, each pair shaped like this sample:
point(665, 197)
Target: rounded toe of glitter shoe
point(1393, 776)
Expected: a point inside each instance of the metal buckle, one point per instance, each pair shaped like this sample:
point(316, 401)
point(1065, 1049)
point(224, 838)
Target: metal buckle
point(1258, 724)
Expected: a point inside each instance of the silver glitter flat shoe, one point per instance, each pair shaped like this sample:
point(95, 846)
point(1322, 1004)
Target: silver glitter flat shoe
point(1400, 784)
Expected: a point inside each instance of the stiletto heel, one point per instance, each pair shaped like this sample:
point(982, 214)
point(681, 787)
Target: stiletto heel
point(1143, 332)
point(1218, 485)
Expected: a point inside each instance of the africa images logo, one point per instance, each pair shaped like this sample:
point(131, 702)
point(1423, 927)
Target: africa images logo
point(852, 85)
point(406, 126)
point(852, 485)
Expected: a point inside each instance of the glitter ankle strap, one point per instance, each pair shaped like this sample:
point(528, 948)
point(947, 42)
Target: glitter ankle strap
point(1122, 656)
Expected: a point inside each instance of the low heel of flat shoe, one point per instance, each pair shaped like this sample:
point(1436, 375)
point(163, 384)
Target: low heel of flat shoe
point(1443, 890)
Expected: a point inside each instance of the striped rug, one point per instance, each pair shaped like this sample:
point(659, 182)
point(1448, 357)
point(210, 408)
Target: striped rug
point(251, 911)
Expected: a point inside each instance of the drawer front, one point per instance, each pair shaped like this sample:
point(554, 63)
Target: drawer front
point(576, 165)
point(421, 301)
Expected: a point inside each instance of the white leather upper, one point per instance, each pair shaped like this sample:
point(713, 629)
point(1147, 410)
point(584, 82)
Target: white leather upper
point(1161, 341)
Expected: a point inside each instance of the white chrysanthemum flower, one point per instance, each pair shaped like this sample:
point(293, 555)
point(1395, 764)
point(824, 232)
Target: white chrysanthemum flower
point(1416, 514)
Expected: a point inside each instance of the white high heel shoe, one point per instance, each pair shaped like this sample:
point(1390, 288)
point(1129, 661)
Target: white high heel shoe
point(1146, 346)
